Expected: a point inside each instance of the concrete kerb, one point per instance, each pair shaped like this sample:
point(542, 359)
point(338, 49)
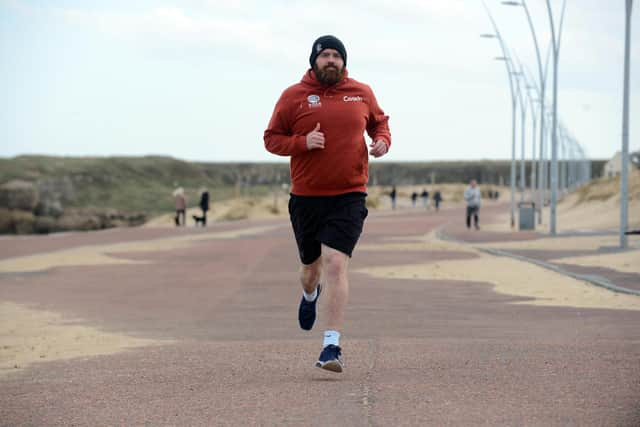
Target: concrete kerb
point(595, 280)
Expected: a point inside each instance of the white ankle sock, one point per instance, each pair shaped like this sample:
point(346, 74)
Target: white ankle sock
point(310, 297)
point(331, 337)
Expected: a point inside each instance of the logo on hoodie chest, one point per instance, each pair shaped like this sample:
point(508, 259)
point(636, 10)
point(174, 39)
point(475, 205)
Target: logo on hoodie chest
point(314, 101)
point(352, 98)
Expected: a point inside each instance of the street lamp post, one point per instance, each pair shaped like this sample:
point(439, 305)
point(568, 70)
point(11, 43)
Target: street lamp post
point(508, 65)
point(512, 177)
point(570, 167)
point(523, 105)
point(542, 81)
point(554, 139)
point(624, 201)
point(544, 150)
point(523, 121)
point(562, 160)
point(534, 119)
point(574, 166)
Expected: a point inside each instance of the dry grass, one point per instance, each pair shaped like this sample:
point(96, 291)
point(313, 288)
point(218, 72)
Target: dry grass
point(606, 188)
point(594, 206)
point(275, 204)
point(451, 193)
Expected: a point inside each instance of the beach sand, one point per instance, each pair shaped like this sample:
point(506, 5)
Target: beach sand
point(509, 276)
point(29, 335)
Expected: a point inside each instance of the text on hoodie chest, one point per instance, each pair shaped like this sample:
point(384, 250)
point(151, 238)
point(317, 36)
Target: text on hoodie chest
point(346, 110)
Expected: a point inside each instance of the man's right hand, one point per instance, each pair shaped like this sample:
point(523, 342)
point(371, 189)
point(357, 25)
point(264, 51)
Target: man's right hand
point(315, 139)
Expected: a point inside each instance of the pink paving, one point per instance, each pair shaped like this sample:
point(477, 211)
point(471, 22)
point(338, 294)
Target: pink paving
point(416, 352)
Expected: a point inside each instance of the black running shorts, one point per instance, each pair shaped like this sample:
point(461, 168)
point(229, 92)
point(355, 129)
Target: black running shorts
point(335, 221)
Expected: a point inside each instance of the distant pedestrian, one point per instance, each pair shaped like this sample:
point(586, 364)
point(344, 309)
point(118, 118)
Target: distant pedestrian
point(472, 197)
point(437, 198)
point(414, 198)
point(425, 198)
point(181, 207)
point(393, 194)
point(204, 206)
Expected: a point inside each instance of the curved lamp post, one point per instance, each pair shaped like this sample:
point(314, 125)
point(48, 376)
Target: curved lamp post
point(508, 65)
point(534, 118)
point(517, 75)
point(534, 100)
point(542, 82)
point(539, 176)
point(526, 92)
point(556, 53)
point(554, 140)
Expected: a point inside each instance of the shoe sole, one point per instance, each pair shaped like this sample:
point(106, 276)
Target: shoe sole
point(332, 365)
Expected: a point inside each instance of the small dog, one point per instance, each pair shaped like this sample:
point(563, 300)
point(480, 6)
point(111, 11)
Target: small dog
point(200, 220)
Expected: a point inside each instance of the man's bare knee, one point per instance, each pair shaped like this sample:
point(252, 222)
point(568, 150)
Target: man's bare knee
point(335, 263)
point(310, 274)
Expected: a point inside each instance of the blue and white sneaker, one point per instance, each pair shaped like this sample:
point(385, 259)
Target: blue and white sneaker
point(330, 359)
point(307, 312)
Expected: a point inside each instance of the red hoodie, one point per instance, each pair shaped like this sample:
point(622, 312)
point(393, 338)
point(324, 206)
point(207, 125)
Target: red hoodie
point(344, 111)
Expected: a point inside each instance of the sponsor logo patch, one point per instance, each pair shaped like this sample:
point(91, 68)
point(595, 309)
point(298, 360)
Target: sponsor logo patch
point(352, 98)
point(314, 101)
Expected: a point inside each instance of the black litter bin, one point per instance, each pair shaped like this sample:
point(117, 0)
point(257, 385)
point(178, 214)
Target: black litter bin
point(527, 216)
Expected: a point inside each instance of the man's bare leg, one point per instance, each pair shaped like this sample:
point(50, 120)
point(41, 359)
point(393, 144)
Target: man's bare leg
point(336, 287)
point(310, 275)
point(309, 278)
point(334, 265)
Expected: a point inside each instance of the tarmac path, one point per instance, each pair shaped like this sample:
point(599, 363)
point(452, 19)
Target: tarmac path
point(221, 311)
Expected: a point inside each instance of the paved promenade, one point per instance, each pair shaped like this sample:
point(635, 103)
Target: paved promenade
point(197, 327)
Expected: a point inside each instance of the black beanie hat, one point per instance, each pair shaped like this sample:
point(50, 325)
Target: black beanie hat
point(327, 42)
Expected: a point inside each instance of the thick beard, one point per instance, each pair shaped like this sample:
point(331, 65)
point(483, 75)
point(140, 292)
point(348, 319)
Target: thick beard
point(328, 76)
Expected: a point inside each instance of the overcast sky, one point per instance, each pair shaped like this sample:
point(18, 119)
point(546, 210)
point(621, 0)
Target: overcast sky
point(198, 79)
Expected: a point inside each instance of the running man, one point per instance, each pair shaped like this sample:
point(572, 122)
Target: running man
point(320, 123)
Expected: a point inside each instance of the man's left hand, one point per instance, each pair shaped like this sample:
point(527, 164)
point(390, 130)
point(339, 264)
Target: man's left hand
point(378, 148)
